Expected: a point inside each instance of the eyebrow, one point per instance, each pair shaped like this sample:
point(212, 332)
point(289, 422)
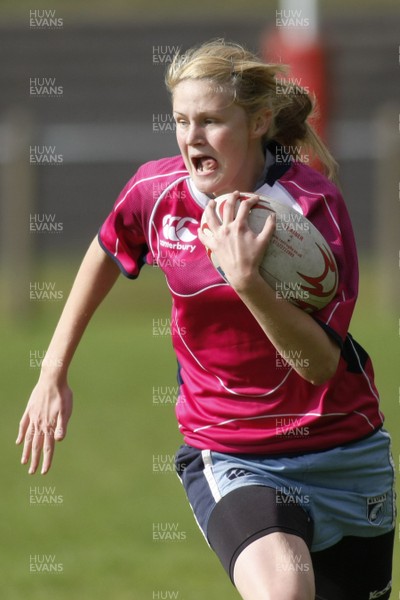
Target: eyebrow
point(201, 114)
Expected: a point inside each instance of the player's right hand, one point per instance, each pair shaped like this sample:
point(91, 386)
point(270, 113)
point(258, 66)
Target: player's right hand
point(43, 423)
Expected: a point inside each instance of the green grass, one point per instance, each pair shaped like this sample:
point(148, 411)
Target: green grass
point(101, 532)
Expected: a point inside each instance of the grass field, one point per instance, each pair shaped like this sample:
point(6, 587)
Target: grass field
point(96, 536)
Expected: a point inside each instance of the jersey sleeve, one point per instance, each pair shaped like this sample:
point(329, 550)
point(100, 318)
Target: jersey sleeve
point(122, 234)
point(333, 221)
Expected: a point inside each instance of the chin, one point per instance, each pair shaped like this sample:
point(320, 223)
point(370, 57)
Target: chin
point(204, 186)
point(215, 188)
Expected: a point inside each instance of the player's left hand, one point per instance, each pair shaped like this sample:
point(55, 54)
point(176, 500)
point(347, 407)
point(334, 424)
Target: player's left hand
point(239, 250)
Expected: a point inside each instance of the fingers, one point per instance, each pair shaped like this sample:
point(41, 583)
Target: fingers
point(26, 452)
point(230, 214)
point(32, 448)
point(206, 232)
point(61, 427)
point(43, 423)
point(228, 208)
point(268, 230)
point(266, 233)
point(36, 451)
point(246, 206)
point(211, 217)
point(37, 441)
point(23, 426)
point(48, 451)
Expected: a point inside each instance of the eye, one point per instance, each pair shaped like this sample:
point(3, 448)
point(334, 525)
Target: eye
point(179, 118)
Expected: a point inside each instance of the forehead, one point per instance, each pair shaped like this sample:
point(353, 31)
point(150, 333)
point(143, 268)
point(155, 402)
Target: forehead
point(201, 95)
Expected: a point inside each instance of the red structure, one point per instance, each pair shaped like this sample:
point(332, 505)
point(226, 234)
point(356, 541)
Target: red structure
point(302, 51)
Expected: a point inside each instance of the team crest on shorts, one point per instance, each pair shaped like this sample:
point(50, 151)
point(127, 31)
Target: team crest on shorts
point(375, 509)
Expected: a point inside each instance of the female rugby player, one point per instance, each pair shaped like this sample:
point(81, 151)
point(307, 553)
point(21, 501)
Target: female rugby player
point(285, 461)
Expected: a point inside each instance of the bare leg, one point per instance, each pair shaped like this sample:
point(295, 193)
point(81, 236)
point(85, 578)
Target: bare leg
point(275, 567)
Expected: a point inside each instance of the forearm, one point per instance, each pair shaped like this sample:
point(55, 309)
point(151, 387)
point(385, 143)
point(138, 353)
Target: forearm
point(298, 338)
point(49, 407)
point(96, 276)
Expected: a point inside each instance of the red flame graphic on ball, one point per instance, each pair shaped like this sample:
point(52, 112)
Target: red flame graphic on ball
point(316, 287)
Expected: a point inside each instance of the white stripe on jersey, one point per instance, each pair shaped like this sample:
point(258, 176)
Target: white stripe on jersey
point(356, 412)
point(131, 188)
point(368, 380)
point(116, 247)
point(334, 309)
point(322, 196)
point(161, 196)
point(267, 416)
point(146, 179)
point(209, 287)
point(265, 394)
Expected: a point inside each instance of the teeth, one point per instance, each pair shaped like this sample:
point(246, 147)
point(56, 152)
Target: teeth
point(205, 163)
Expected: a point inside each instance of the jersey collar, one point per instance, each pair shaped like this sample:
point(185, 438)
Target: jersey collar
point(273, 171)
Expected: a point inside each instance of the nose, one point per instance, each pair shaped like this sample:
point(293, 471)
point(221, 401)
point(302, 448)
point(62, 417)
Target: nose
point(194, 135)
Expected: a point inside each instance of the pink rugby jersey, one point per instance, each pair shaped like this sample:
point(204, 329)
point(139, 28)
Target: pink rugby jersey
point(237, 394)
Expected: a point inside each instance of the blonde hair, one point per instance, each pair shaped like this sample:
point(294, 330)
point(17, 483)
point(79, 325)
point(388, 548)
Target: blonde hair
point(255, 85)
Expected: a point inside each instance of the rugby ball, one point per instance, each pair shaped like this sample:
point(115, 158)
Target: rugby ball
point(298, 264)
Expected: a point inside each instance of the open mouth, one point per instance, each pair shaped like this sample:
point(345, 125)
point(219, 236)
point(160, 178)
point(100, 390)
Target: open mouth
point(204, 164)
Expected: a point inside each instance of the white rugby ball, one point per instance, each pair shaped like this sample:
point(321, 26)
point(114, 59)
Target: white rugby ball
point(298, 264)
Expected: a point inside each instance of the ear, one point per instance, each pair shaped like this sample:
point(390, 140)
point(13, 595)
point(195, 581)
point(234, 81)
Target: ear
point(260, 122)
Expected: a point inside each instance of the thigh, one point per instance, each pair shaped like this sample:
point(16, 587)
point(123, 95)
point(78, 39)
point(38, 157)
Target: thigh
point(277, 566)
point(233, 508)
point(355, 569)
point(251, 513)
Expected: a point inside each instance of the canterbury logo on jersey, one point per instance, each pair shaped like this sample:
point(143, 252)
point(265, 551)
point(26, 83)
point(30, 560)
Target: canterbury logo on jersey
point(178, 232)
point(177, 228)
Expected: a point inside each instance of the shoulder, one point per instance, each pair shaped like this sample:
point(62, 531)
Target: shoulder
point(151, 178)
point(319, 198)
point(172, 166)
point(304, 183)
point(309, 182)
point(149, 181)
